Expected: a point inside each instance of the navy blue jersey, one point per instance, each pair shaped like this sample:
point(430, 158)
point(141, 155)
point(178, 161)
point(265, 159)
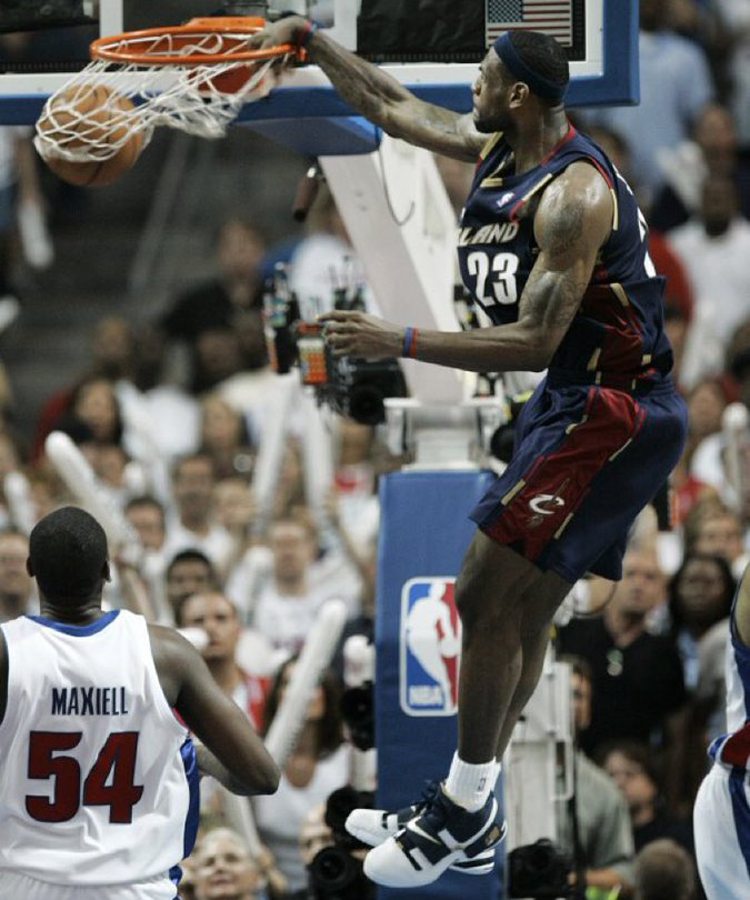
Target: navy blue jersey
point(618, 332)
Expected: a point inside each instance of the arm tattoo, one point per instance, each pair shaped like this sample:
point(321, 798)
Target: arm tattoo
point(361, 84)
point(376, 95)
point(441, 119)
point(550, 299)
point(565, 228)
point(560, 277)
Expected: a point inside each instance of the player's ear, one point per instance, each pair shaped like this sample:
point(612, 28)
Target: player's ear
point(29, 567)
point(106, 574)
point(519, 94)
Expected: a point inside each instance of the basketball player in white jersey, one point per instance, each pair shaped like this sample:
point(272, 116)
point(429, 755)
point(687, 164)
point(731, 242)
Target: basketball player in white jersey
point(98, 775)
point(721, 818)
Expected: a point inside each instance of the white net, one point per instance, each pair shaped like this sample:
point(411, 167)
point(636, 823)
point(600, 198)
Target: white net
point(101, 108)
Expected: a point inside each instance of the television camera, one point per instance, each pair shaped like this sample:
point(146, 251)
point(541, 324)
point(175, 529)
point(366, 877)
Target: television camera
point(354, 388)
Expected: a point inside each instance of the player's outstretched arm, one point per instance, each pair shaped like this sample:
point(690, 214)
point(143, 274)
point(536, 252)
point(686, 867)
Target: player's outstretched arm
point(380, 98)
point(573, 221)
point(742, 608)
point(245, 767)
point(209, 764)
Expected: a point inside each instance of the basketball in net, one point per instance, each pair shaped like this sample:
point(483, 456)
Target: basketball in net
point(91, 115)
point(194, 77)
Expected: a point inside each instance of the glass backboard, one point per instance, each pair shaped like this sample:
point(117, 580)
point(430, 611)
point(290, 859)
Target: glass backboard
point(424, 45)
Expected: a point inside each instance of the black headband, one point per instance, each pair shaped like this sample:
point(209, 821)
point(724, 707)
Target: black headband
point(538, 84)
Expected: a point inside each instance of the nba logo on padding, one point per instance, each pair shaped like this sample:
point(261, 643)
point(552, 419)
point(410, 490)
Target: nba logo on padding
point(430, 647)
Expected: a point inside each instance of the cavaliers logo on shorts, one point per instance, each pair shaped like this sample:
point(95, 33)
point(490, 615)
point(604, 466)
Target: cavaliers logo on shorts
point(430, 638)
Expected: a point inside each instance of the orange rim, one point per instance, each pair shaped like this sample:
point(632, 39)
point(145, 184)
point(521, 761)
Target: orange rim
point(119, 48)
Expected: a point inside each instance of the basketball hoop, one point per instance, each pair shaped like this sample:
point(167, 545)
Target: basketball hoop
point(194, 77)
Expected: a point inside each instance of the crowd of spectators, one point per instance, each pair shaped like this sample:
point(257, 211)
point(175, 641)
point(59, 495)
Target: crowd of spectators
point(172, 413)
point(659, 646)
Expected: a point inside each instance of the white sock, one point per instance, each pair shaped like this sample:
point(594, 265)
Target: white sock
point(470, 785)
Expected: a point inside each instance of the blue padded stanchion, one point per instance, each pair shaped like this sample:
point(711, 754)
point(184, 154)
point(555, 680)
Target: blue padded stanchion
point(424, 533)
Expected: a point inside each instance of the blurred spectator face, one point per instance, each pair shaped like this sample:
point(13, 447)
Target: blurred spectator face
point(632, 780)
point(701, 593)
point(218, 618)
point(46, 491)
point(718, 204)
point(355, 442)
point(108, 462)
point(654, 14)
point(706, 404)
point(716, 134)
point(148, 521)
point(615, 148)
point(221, 426)
point(9, 461)
point(720, 535)
point(14, 579)
point(218, 353)
point(96, 405)
point(240, 250)
point(233, 503)
point(293, 550)
point(148, 357)
point(113, 346)
point(643, 583)
point(193, 486)
point(187, 577)
point(223, 869)
point(581, 691)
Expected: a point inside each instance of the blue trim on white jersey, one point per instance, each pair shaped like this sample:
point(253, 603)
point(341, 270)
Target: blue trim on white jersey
point(190, 761)
point(741, 811)
point(192, 820)
point(77, 630)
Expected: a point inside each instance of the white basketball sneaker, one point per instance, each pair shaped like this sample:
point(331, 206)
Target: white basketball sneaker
point(374, 826)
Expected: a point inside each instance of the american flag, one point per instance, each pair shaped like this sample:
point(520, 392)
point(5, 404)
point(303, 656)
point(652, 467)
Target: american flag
point(553, 17)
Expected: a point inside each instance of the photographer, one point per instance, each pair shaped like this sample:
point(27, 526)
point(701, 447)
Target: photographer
point(332, 857)
point(318, 765)
point(594, 826)
point(593, 855)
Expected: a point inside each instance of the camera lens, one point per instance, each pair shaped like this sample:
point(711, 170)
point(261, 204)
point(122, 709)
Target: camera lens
point(366, 405)
point(333, 869)
point(358, 713)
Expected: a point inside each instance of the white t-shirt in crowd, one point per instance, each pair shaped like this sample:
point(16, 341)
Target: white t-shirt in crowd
point(286, 620)
point(279, 818)
point(217, 544)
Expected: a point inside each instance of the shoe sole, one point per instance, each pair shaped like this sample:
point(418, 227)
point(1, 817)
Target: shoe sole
point(481, 864)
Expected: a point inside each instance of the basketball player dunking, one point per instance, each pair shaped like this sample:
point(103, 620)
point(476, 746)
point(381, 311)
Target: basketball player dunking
point(553, 247)
point(98, 777)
